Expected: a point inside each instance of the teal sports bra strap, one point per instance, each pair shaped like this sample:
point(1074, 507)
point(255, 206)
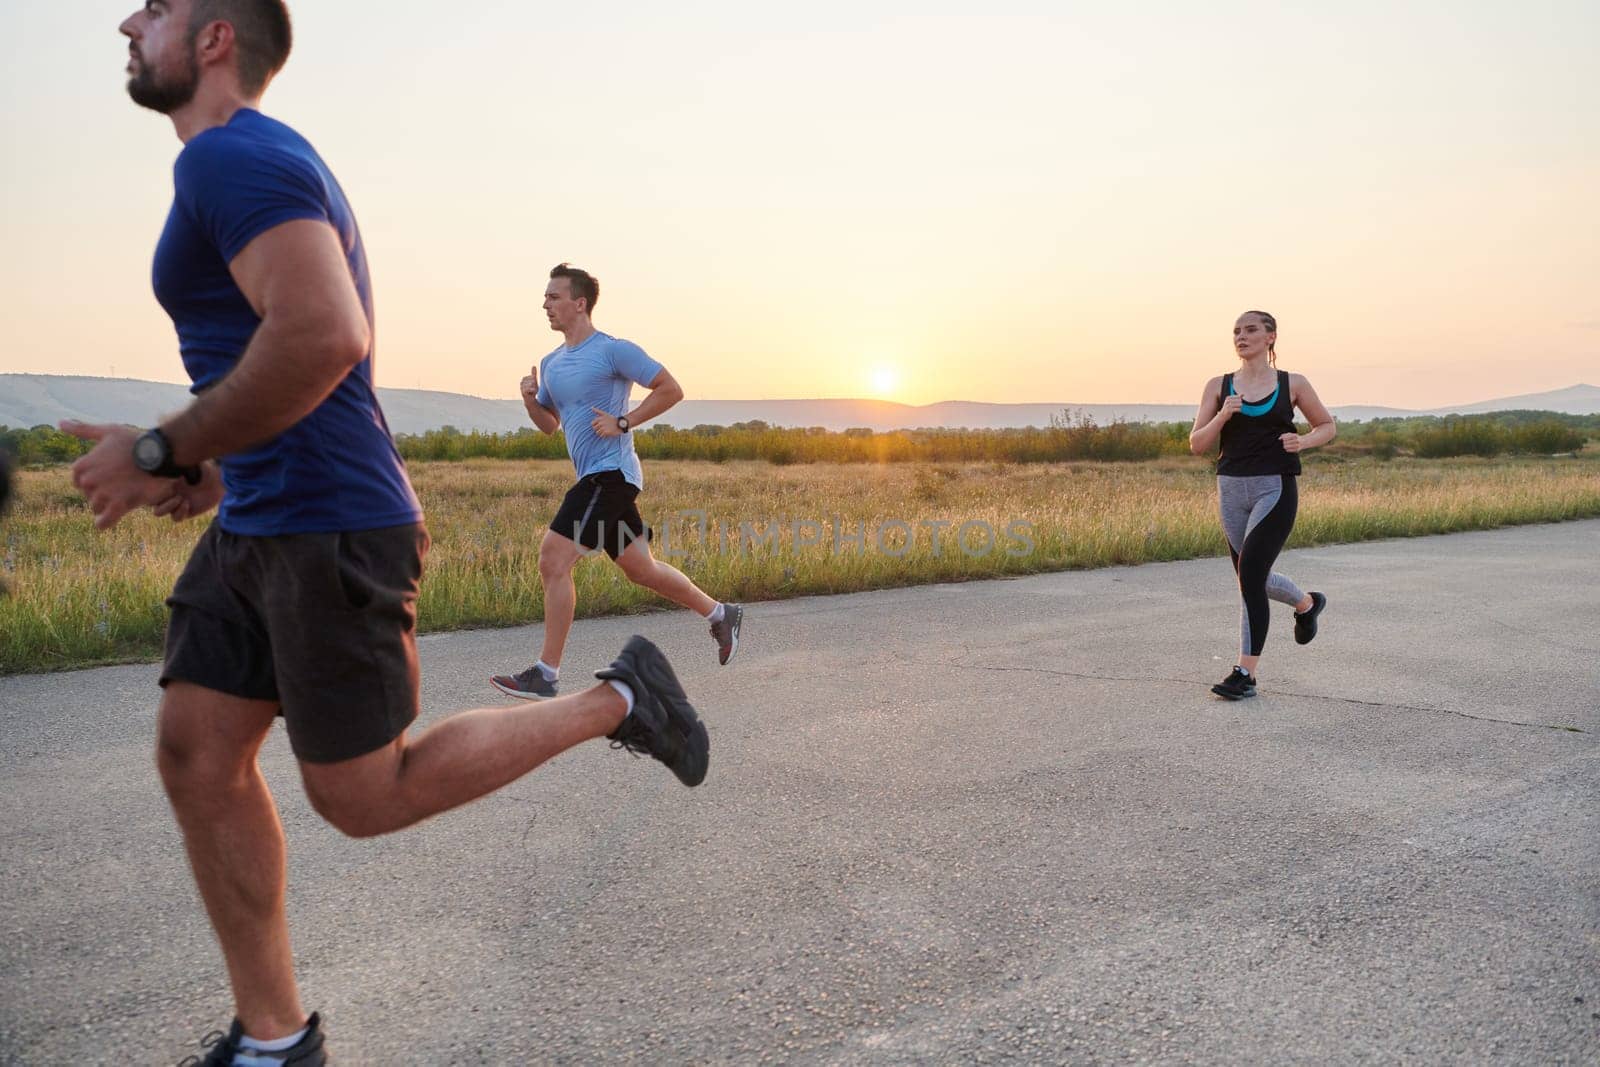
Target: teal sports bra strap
point(1256, 410)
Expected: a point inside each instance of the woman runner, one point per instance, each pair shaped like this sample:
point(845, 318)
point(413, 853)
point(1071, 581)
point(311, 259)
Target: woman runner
point(1251, 411)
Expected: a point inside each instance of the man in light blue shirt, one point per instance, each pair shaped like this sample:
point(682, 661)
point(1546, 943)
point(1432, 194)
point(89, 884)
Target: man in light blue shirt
point(584, 386)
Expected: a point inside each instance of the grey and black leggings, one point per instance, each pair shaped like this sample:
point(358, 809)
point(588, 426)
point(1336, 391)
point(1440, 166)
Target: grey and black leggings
point(1257, 514)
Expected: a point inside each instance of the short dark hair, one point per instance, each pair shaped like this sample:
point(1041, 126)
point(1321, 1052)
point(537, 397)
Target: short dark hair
point(580, 281)
point(262, 35)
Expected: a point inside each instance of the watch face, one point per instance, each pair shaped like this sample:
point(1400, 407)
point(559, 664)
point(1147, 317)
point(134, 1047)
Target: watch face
point(148, 452)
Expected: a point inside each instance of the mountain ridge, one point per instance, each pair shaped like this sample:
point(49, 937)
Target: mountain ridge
point(30, 399)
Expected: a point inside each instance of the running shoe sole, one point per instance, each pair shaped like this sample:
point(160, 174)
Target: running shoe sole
point(725, 656)
point(520, 694)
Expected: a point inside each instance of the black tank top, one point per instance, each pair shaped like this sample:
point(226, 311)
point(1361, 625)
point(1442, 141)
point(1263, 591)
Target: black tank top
point(1251, 442)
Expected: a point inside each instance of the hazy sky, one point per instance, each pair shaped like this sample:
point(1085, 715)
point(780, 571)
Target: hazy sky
point(1039, 202)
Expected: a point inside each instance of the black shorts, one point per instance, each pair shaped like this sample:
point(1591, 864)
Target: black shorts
point(324, 624)
point(602, 511)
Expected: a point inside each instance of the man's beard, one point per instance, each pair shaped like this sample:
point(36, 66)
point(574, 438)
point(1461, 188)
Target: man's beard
point(165, 97)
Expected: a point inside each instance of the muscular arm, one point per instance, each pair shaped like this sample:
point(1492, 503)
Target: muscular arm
point(1210, 417)
point(664, 392)
point(313, 331)
point(547, 419)
point(1305, 398)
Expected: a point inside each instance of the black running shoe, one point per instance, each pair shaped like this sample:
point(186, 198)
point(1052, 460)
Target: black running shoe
point(1305, 625)
point(221, 1047)
point(726, 632)
point(1236, 686)
point(662, 723)
point(531, 684)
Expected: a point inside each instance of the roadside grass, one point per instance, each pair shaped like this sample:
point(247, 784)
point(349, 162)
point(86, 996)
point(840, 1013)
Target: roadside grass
point(753, 531)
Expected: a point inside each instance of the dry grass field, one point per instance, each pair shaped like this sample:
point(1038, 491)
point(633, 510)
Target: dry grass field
point(77, 598)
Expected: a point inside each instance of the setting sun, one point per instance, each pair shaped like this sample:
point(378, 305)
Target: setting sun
point(885, 379)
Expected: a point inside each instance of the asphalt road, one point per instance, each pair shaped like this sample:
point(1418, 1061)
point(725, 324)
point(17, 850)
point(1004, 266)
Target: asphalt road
point(1001, 821)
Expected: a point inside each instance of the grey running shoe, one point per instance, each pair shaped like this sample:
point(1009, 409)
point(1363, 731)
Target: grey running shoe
point(1305, 626)
point(1236, 686)
point(663, 723)
point(726, 632)
point(531, 684)
point(309, 1051)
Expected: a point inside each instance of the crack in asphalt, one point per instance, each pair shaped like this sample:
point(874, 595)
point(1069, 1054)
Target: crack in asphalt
point(1282, 692)
point(1438, 711)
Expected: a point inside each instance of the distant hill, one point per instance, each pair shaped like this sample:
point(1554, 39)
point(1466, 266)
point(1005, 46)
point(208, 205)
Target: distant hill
point(1573, 400)
point(31, 399)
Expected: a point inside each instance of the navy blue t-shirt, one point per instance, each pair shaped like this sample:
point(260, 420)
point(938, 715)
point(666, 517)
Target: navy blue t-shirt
point(337, 469)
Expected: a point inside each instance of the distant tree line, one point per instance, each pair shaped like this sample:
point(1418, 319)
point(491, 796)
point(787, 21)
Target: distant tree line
point(1070, 436)
point(1067, 438)
point(41, 446)
point(1538, 433)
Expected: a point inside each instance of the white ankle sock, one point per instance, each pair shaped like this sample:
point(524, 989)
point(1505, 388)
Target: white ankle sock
point(625, 690)
point(716, 614)
point(551, 674)
point(249, 1045)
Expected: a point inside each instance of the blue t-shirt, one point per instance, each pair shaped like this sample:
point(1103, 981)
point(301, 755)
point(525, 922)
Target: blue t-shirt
point(599, 373)
point(337, 469)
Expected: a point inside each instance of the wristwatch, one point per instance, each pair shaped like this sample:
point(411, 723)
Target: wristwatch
point(152, 453)
point(622, 423)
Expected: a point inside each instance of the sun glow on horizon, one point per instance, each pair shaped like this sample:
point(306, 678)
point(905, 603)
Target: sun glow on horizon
point(885, 380)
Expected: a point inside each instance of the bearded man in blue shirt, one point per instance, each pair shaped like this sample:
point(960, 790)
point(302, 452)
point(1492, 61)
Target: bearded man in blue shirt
point(300, 599)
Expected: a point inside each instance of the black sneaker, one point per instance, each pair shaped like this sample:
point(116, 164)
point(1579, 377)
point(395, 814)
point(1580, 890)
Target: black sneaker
point(726, 632)
point(221, 1047)
point(531, 684)
point(1305, 625)
point(1236, 686)
point(662, 723)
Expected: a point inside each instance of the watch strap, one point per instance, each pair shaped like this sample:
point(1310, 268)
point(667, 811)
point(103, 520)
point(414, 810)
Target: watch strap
point(167, 468)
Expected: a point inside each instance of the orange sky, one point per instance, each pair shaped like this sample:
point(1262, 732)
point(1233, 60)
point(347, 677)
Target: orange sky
point(909, 200)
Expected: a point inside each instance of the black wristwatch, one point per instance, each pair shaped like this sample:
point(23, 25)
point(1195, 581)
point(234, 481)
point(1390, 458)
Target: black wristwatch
point(152, 453)
point(622, 423)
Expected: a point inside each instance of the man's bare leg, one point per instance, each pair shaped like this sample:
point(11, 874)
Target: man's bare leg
point(206, 752)
point(558, 555)
point(663, 578)
point(207, 755)
point(467, 756)
point(666, 580)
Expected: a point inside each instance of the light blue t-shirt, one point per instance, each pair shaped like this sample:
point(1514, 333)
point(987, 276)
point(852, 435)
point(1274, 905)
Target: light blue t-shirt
point(599, 373)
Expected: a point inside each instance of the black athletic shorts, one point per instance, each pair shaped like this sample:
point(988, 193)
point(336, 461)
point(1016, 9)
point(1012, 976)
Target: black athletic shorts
point(602, 511)
point(324, 624)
